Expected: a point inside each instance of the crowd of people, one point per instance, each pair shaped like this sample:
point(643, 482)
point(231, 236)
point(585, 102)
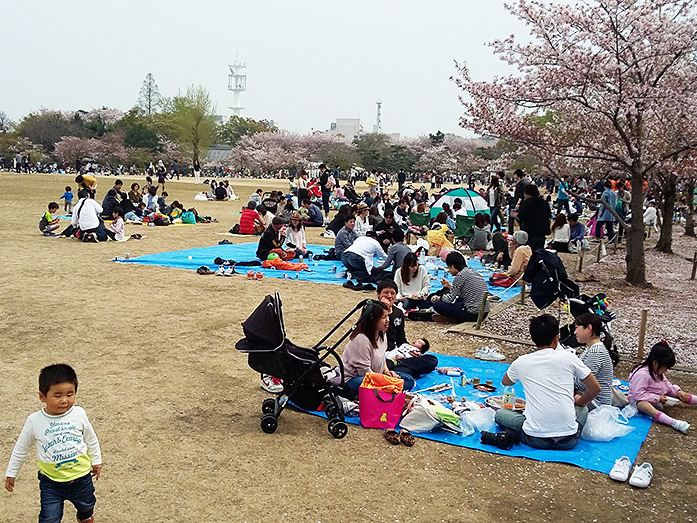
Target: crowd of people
point(141, 205)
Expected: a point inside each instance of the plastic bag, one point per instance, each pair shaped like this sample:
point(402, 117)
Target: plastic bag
point(630, 410)
point(605, 423)
point(481, 420)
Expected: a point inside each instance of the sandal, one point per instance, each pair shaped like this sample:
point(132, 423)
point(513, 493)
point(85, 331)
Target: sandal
point(203, 270)
point(406, 438)
point(393, 437)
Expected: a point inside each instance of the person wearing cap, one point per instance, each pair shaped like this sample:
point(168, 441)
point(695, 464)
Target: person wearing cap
point(520, 254)
point(295, 236)
point(273, 239)
point(314, 214)
point(362, 222)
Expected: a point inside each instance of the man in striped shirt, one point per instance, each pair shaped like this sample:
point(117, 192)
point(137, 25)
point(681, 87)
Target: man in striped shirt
point(464, 297)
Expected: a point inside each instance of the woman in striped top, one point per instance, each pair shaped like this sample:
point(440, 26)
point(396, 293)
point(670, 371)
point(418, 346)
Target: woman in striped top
point(596, 356)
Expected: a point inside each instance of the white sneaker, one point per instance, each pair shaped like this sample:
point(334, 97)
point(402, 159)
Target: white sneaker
point(642, 475)
point(220, 271)
point(230, 271)
point(620, 471)
point(490, 354)
point(682, 426)
point(271, 384)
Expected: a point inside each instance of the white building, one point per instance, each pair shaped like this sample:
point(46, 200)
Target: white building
point(349, 127)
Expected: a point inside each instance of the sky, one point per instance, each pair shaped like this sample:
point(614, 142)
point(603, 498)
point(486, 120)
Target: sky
point(308, 62)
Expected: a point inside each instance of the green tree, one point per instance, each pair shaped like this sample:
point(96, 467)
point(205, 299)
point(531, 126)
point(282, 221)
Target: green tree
point(150, 100)
point(193, 121)
point(139, 135)
point(436, 139)
point(45, 128)
point(373, 149)
point(236, 127)
point(399, 157)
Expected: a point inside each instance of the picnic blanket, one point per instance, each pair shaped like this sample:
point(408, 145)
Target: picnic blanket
point(591, 455)
point(319, 271)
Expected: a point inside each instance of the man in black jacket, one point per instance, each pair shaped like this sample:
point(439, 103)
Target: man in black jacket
point(534, 216)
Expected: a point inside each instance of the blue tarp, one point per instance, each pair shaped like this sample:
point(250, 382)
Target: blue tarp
point(320, 271)
point(591, 455)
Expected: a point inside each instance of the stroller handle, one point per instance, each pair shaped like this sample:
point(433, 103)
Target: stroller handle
point(359, 306)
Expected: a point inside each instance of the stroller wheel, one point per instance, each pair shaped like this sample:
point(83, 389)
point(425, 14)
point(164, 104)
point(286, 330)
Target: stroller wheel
point(338, 428)
point(269, 423)
point(269, 406)
point(331, 410)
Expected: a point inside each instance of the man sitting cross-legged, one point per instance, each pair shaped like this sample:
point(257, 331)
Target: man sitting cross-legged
point(553, 419)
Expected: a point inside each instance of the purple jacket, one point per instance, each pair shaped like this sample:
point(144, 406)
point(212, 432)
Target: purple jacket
point(642, 387)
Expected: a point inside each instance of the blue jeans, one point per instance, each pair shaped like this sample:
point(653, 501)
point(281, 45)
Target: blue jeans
point(355, 383)
point(80, 492)
point(456, 311)
point(495, 214)
point(355, 264)
point(513, 421)
point(416, 303)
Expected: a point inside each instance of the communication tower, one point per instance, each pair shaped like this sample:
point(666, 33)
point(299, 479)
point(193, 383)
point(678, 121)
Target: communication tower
point(237, 82)
point(378, 121)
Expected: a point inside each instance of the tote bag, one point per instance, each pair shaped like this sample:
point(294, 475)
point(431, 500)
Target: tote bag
point(378, 409)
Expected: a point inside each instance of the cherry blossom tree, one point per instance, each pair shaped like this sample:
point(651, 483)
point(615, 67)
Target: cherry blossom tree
point(618, 77)
point(72, 148)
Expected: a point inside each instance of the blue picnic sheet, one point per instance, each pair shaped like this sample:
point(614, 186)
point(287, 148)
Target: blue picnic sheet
point(319, 271)
point(591, 455)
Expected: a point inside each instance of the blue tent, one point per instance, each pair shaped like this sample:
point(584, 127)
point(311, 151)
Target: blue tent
point(472, 202)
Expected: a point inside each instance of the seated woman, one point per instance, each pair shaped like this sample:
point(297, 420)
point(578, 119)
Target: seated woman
point(413, 284)
point(481, 233)
point(295, 236)
point(520, 254)
point(561, 234)
point(501, 246)
point(596, 357)
point(339, 219)
point(365, 351)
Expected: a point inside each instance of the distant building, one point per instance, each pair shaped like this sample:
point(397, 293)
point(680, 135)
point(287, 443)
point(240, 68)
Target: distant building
point(349, 127)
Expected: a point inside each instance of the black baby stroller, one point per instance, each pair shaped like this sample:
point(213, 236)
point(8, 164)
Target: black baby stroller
point(547, 274)
point(306, 380)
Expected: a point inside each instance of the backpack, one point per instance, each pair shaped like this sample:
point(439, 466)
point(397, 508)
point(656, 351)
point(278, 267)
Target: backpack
point(161, 221)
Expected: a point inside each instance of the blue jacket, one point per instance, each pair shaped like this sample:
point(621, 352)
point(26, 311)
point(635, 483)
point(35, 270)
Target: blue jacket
point(603, 214)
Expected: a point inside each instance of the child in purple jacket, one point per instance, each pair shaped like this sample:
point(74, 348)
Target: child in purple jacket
point(650, 390)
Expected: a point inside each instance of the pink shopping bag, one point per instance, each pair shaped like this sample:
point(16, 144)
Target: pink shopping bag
point(378, 409)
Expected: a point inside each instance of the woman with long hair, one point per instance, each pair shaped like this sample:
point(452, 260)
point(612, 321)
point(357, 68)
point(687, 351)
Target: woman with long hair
point(413, 284)
point(365, 351)
point(597, 358)
point(481, 235)
point(561, 234)
point(295, 236)
point(362, 223)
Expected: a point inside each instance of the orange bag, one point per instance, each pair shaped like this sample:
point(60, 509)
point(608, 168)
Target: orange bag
point(375, 380)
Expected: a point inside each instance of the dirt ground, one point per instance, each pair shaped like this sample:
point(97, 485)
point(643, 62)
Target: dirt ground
point(177, 408)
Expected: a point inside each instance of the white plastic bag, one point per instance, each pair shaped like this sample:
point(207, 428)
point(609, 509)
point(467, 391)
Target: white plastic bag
point(605, 423)
point(481, 420)
point(630, 410)
point(421, 416)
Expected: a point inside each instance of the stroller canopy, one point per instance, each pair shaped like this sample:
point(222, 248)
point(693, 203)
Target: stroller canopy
point(472, 202)
point(546, 273)
point(264, 330)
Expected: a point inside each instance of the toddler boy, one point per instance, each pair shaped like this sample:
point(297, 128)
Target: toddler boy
point(68, 197)
point(48, 223)
point(67, 449)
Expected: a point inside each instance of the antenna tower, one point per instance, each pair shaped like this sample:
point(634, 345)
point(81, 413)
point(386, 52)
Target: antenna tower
point(237, 82)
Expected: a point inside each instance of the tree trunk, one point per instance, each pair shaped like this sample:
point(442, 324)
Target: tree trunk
point(669, 192)
point(636, 261)
point(690, 215)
